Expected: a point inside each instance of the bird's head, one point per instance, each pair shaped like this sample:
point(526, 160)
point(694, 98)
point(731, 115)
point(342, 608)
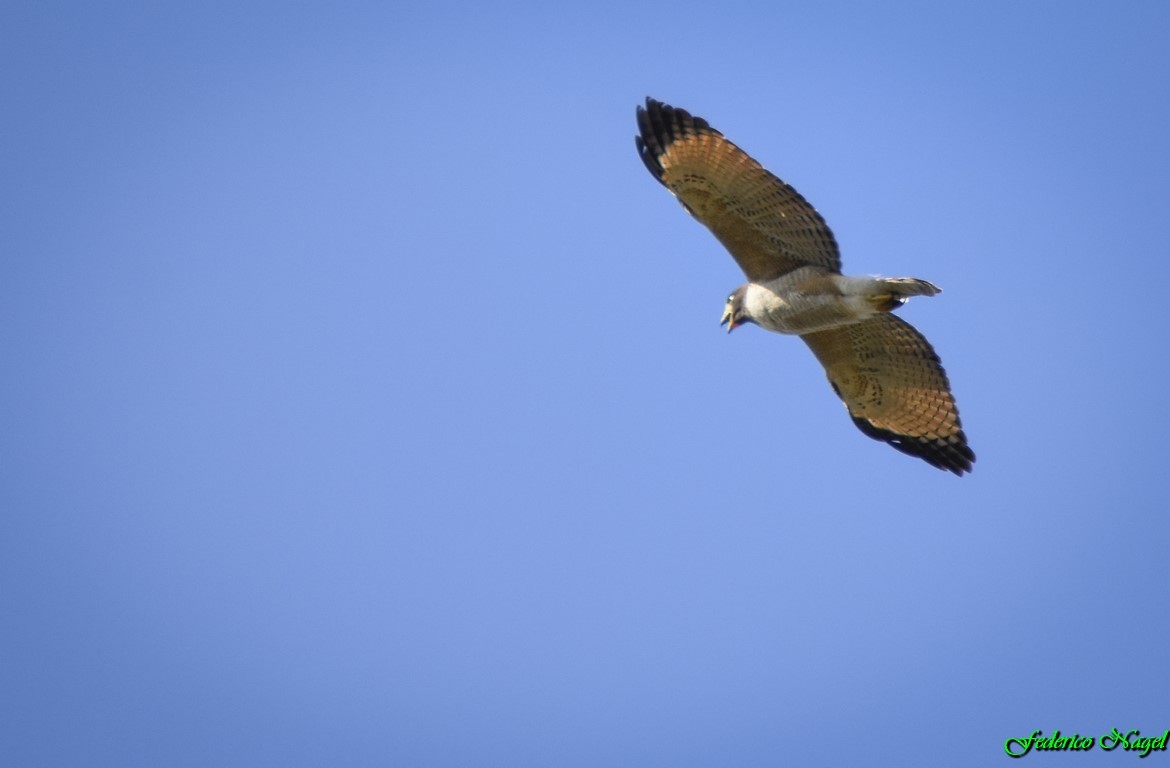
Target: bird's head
point(734, 314)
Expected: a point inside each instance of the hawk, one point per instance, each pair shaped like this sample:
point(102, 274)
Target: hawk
point(884, 370)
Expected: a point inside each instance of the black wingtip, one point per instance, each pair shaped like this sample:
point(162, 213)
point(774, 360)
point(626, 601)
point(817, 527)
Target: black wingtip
point(949, 454)
point(659, 125)
point(650, 142)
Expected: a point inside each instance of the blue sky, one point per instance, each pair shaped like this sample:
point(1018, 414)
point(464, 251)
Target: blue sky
point(364, 400)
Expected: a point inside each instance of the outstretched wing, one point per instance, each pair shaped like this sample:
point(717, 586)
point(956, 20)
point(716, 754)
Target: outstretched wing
point(895, 388)
point(767, 226)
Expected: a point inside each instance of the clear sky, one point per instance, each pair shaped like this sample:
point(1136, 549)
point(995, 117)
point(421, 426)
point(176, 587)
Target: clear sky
point(364, 401)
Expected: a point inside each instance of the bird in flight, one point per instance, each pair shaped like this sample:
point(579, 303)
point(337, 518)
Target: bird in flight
point(884, 370)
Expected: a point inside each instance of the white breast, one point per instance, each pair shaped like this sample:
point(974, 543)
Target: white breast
point(783, 307)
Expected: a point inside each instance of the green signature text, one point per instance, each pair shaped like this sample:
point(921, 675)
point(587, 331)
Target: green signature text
point(1129, 740)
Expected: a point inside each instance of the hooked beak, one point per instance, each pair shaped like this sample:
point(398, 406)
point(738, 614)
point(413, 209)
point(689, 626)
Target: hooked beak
point(726, 319)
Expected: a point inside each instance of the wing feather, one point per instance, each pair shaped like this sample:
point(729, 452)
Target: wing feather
point(895, 388)
point(767, 226)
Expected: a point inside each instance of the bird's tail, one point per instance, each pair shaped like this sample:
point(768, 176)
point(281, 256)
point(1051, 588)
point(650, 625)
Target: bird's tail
point(892, 292)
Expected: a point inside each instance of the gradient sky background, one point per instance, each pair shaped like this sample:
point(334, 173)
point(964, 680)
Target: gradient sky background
point(364, 400)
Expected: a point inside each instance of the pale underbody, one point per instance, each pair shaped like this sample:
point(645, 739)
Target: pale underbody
point(813, 299)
